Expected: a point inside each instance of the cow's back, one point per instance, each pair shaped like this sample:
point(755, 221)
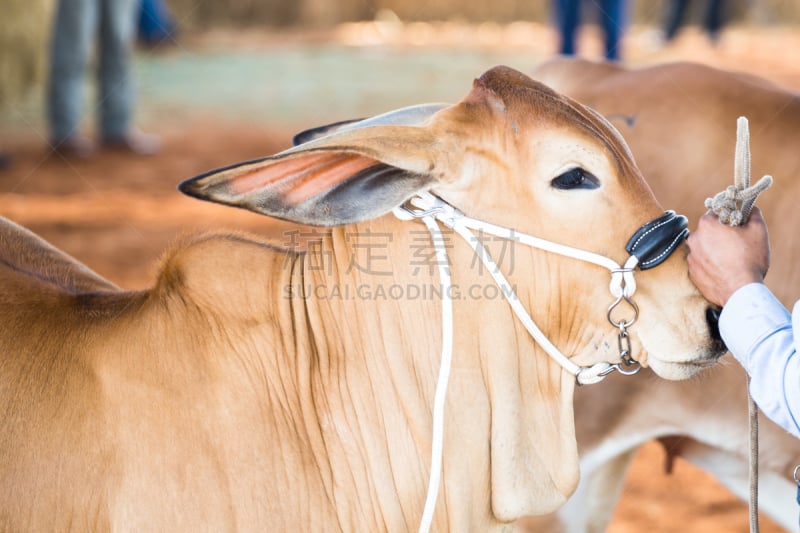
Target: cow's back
point(131, 410)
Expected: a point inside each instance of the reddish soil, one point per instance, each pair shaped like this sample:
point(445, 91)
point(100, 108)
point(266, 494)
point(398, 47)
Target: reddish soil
point(119, 213)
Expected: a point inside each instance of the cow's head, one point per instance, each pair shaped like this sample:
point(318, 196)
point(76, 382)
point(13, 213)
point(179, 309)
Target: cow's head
point(516, 154)
point(513, 153)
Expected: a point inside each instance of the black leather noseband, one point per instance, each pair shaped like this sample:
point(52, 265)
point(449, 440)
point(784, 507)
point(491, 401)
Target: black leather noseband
point(653, 243)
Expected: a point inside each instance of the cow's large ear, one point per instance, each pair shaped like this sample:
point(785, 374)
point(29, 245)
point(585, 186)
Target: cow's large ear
point(407, 116)
point(321, 131)
point(348, 176)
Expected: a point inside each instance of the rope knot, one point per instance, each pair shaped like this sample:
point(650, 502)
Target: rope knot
point(733, 205)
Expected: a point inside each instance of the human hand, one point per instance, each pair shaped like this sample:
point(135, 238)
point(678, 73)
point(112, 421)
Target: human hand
point(722, 258)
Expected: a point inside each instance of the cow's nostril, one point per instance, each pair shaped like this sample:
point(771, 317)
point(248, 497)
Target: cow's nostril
point(712, 317)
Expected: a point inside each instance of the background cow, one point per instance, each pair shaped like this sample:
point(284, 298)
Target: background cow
point(680, 122)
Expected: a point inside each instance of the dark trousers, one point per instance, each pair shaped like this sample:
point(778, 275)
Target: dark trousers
point(612, 18)
point(712, 21)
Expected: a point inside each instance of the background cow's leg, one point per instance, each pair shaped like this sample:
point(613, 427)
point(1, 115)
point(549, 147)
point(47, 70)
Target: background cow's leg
point(590, 508)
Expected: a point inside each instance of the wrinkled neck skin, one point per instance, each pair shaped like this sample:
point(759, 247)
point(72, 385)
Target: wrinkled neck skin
point(374, 327)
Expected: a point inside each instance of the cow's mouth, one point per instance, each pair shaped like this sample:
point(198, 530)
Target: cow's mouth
point(678, 370)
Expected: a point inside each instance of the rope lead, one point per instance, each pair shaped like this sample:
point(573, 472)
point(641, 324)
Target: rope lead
point(732, 206)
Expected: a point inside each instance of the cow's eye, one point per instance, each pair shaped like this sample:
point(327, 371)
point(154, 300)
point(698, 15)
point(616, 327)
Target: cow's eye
point(575, 178)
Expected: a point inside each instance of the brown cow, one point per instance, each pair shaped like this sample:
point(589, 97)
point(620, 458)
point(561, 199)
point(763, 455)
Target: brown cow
point(256, 388)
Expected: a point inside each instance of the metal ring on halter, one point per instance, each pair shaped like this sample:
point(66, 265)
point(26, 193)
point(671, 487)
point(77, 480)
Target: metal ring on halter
point(628, 368)
point(421, 213)
point(632, 369)
point(624, 323)
point(796, 474)
point(610, 369)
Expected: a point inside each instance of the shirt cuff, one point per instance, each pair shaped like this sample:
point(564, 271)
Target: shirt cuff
point(751, 314)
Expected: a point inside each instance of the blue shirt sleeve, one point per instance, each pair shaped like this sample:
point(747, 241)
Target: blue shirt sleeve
point(758, 331)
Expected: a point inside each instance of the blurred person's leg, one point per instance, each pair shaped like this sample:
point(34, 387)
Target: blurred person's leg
point(115, 77)
point(614, 20)
point(74, 30)
point(118, 24)
point(714, 19)
point(567, 17)
point(674, 20)
point(156, 25)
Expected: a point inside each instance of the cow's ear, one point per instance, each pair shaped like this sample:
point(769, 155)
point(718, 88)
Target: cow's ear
point(342, 178)
point(321, 131)
point(408, 116)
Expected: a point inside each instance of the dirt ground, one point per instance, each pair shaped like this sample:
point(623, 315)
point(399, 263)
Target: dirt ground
point(118, 213)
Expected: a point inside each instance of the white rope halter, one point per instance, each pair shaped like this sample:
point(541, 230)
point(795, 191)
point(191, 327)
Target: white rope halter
point(431, 209)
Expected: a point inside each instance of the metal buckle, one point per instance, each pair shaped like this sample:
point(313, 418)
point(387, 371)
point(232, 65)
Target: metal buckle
point(435, 205)
point(796, 476)
point(624, 368)
point(628, 366)
point(416, 212)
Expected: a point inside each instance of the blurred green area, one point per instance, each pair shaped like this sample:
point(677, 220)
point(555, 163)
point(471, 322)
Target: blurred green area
point(24, 33)
point(321, 13)
point(245, 80)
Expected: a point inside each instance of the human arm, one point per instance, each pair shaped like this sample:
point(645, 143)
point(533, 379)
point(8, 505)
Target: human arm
point(758, 331)
point(722, 258)
point(728, 265)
